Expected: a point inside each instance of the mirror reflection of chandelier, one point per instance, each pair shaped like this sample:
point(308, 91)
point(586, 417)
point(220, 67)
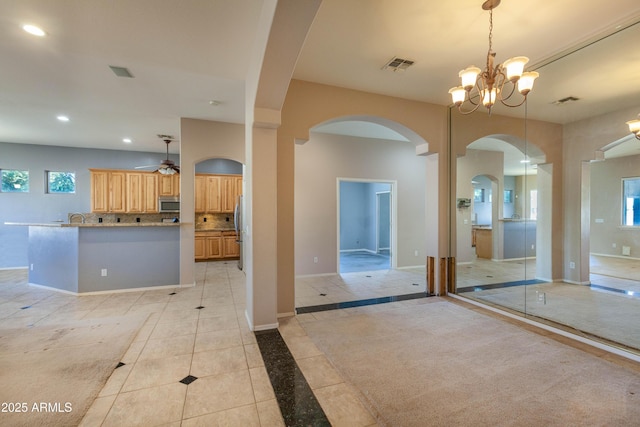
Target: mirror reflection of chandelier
point(634, 126)
point(495, 83)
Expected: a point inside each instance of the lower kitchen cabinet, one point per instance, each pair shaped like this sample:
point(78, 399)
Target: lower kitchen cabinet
point(216, 245)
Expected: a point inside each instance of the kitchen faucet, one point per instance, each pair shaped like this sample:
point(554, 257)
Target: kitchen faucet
point(74, 214)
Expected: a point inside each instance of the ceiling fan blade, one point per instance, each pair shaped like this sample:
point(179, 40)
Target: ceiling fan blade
point(146, 167)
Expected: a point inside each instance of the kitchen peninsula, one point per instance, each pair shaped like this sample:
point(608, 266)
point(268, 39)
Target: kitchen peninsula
point(82, 258)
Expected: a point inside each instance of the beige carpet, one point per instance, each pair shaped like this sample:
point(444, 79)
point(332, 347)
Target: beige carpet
point(436, 363)
point(52, 374)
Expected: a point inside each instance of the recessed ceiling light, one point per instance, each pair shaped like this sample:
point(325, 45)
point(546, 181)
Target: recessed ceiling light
point(63, 118)
point(126, 140)
point(32, 29)
point(214, 102)
point(525, 161)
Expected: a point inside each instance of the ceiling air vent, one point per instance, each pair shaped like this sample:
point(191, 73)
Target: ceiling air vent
point(398, 64)
point(120, 71)
point(567, 100)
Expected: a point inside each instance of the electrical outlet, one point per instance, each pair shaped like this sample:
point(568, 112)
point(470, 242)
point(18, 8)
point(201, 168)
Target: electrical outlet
point(572, 264)
point(613, 245)
point(415, 253)
point(103, 272)
point(533, 246)
point(315, 259)
point(31, 267)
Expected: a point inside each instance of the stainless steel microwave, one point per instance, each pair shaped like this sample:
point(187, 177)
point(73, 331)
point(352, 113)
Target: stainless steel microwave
point(169, 204)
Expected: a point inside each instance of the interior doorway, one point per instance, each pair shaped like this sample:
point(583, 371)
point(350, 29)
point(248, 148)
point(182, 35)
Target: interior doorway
point(365, 226)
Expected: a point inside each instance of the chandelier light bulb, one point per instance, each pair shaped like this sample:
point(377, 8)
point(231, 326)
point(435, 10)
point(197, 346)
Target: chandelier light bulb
point(525, 83)
point(489, 96)
point(458, 95)
point(468, 77)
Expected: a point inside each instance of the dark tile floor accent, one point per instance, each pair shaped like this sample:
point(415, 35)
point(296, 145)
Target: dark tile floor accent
point(188, 379)
point(620, 291)
point(499, 285)
point(360, 303)
point(298, 404)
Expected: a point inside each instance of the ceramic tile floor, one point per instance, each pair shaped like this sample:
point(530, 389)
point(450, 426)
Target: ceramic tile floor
point(212, 344)
point(318, 290)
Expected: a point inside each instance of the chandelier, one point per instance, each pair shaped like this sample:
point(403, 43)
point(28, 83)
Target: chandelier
point(493, 84)
point(634, 126)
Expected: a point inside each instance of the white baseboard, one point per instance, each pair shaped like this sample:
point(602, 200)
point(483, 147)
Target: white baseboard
point(513, 259)
point(573, 282)
point(281, 315)
point(114, 291)
point(358, 250)
point(14, 268)
point(615, 256)
point(305, 276)
point(411, 266)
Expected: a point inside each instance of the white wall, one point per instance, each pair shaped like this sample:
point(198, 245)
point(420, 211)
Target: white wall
point(325, 158)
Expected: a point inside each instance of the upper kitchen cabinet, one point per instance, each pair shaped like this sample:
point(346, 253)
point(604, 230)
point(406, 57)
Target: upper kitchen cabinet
point(217, 193)
point(232, 188)
point(107, 191)
point(118, 191)
point(169, 185)
point(142, 192)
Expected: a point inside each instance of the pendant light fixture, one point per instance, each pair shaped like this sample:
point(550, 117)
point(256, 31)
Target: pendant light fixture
point(495, 83)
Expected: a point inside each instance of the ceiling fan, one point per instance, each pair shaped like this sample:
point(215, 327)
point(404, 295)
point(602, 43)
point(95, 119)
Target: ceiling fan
point(167, 166)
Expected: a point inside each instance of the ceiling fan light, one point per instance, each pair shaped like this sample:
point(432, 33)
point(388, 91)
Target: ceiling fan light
point(457, 95)
point(515, 66)
point(525, 84)
point(469, 76)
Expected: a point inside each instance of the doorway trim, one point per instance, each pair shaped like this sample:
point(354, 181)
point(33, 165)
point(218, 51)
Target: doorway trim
point(394, 214)
point(378, 195)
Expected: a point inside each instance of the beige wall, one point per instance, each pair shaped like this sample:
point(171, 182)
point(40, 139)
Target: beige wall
point(476, 162)
point(541, 137)
point(581, 141)
point(318, 165)
point(201, 140)
point(606, 207)
point(309, 104)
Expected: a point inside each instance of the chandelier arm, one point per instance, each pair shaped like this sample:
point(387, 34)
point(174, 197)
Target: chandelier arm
point(513, 90)
point(468, 111)
point(515, 105)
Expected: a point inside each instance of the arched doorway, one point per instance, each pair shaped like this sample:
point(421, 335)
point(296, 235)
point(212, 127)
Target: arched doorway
point(377, 164)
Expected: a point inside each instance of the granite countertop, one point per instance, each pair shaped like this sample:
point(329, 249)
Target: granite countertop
point(96, 225)
point(213, 228)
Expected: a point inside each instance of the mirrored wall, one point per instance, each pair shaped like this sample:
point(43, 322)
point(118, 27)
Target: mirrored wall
point(546, 200)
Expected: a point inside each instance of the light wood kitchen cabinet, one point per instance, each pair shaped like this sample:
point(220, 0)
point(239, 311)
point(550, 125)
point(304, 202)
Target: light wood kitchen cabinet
point(99, 191)
point(216, 245)
point(200, 193)
point(119, 191)
point(107, 191)
point(169, 185)
point(208, 245)
point(231, 189)
point(213, 203)
point(231, 247)
point(117, 198)
point(217, 193)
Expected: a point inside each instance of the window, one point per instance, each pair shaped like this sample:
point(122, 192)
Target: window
point(478, 195)
point(14, 181)
point(61, 182)
point(631, 201)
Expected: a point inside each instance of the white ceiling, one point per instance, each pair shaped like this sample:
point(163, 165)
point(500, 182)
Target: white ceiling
point(185, 54)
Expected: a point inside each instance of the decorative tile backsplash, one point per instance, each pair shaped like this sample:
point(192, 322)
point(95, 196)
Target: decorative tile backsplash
point(110, 218)
point(215, 221)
